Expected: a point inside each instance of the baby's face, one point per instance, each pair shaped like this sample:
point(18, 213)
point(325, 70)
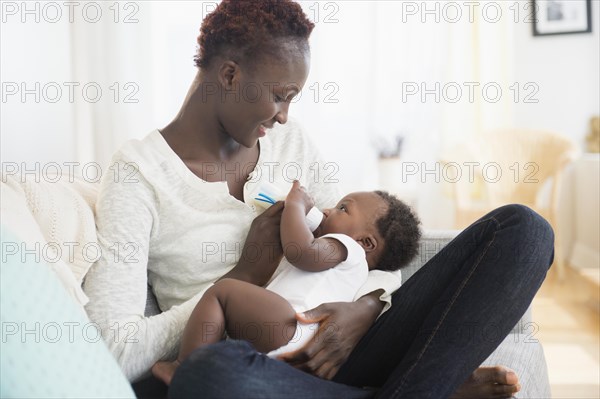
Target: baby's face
point(355, 215)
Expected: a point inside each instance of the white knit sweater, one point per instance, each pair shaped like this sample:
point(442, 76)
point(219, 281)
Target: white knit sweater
point(158, 223)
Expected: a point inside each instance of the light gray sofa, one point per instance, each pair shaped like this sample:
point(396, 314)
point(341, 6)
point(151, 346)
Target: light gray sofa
point(520, 350)
point(60, 212)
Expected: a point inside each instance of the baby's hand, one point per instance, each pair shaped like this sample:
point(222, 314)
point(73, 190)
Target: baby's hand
point(298, 195)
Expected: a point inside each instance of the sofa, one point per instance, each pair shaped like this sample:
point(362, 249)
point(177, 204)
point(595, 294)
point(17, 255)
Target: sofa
point(49, 212)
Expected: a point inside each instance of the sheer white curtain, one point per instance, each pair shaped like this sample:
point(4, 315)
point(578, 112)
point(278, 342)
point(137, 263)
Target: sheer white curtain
point(367, 56)
point(398, 66)
point(140, 59)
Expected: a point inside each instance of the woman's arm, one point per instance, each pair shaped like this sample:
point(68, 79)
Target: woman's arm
point(262, 250)
point(126, 215)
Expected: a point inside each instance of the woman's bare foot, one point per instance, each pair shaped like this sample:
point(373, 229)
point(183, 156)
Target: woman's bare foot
point(164, 371)
point(489, 382)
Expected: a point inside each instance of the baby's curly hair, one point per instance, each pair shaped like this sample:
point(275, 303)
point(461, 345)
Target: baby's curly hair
point(249, 30)
point(400, 230)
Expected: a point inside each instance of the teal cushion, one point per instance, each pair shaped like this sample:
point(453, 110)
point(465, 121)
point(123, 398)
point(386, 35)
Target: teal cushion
point(49, 348)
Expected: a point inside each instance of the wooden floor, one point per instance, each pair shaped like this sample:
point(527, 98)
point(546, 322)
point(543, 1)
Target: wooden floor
point(566, 311)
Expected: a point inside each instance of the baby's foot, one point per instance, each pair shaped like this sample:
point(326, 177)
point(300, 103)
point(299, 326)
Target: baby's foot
point(489, 382)
point(164, 371)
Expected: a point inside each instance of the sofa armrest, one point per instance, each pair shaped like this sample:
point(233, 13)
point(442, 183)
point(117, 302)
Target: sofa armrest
point(432, 241)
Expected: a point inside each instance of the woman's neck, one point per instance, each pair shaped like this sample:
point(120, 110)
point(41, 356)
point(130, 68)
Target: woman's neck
point(196, 133)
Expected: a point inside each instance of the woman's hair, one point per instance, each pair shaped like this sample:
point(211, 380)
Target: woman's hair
point(248, 30)
point(399, 228)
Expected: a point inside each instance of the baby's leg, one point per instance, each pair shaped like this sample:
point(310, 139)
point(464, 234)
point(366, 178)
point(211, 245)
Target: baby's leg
point(164, 371)
point(245, 311)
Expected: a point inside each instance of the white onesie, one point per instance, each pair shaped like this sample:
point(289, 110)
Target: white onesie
point(306, 290)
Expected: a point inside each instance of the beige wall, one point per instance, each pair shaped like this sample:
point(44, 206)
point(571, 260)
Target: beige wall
point(566, 70)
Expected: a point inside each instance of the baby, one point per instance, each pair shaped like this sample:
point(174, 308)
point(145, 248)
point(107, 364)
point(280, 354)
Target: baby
point(366, 230)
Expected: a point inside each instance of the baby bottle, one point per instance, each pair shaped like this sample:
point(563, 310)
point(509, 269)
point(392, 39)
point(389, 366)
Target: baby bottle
point(268, 194)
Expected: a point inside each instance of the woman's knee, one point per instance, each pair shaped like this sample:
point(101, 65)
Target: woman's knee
point(529, 229)
point(531, 222)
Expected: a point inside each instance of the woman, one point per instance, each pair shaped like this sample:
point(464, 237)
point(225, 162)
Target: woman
point(184, 218)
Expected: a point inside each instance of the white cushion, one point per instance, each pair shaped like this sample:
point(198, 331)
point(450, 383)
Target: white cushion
point(49, 347)
point(56, 220)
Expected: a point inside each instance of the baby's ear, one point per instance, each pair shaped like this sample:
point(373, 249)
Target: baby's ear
point(368, 242)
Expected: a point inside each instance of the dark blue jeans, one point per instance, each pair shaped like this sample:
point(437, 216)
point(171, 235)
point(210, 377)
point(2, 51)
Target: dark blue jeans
point(444, 322)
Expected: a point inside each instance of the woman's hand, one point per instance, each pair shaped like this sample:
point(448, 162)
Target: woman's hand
point(262, 250)
point(298, 195)
point(342, 325)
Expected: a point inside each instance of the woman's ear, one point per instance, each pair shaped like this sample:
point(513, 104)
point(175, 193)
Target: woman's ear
point(228, 74)
point(368, 242)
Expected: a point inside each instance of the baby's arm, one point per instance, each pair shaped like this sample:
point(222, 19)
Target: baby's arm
point(300, 247)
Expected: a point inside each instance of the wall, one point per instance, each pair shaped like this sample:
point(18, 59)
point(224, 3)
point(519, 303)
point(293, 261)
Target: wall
point(567, 70)
point(34, 129)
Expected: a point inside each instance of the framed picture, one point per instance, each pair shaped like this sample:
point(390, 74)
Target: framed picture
point(558, 17)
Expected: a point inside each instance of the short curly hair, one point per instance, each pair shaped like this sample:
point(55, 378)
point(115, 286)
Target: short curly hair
point(399, 228)
point(251, 29)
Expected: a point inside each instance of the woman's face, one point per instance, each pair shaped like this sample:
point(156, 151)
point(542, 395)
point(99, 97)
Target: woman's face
point(258, 99)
